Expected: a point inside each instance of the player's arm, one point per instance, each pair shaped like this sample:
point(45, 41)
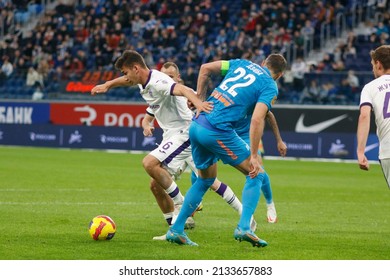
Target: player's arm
point(147, 124)
point(255, 134)
point(282, 147)
point(117, 82)
point(362, 135)
point(206, 70)
point(182, 90)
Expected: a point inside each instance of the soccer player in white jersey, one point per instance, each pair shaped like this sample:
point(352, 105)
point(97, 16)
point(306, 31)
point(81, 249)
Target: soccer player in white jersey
point(375, 97)
point(168, 100)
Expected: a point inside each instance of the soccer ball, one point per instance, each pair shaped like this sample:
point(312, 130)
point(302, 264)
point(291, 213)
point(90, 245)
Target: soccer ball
point(102, 228)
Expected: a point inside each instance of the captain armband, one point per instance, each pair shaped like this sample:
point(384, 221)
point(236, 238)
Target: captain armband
point(224, 67)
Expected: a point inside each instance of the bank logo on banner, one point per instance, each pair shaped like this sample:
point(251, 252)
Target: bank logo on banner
point(24, 112)
point(337, 149)
point(105, 139)
point(75, 137)
point(91, 114)
point(15, 114)
point(42, 137)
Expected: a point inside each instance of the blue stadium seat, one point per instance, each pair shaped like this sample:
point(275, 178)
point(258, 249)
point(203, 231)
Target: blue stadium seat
point(22, 17)
point(34, 9)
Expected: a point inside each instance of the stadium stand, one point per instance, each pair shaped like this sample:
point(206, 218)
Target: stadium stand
point(66, 41)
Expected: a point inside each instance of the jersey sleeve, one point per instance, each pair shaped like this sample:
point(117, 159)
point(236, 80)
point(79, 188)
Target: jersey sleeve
point(165, 88)
point(225, 67)
point(268, 96)
point(149, 111)
point(365, 96)
point(162, 84)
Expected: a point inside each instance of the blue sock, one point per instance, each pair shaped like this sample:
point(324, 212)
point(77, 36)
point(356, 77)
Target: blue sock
point(250, 198)
point(266, 189)
point(191, 202)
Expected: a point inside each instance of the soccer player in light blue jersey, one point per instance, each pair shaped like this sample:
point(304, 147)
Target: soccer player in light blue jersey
point(248, 90)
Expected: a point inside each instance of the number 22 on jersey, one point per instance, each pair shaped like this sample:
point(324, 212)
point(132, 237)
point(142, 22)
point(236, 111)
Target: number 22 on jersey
point(230, 86)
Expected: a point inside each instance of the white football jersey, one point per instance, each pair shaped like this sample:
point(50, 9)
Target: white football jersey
point(171, 112)
point(377, 95)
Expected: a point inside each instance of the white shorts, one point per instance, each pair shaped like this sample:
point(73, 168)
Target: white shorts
point(174, 153)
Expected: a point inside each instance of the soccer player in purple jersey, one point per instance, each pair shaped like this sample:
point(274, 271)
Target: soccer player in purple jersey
point(375, 97)
point(168, 102)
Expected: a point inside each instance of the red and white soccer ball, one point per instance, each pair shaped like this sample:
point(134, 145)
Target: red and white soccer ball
point(102, 227)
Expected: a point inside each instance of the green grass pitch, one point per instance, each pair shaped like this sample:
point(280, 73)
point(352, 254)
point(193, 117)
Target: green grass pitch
point(327, 210)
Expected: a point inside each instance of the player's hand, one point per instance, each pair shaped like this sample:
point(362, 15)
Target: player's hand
point(148, 131)
point(282, 148)
point(103, 88)
point(204, 106)
point(255, 166)
point(363, 162)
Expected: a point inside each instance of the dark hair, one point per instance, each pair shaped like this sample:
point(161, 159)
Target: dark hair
point(276, 63)
point(382, 54)
point(129, 59)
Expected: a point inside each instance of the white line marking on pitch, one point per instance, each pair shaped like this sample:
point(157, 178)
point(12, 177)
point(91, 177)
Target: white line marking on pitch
point(71, 203)
point(44, 190)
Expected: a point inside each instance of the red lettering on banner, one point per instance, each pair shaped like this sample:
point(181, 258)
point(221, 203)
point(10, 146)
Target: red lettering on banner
point(97, 114)
point(79, 87)
point(89, 80)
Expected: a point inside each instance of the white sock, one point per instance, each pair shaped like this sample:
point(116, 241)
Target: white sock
point(228, 195)
point(168, 217)
point(174, 192)
point(271, 205)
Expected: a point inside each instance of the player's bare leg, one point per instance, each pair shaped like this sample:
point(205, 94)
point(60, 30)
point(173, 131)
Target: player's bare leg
point(163, 200)
point(154, 168)
point(169, 199)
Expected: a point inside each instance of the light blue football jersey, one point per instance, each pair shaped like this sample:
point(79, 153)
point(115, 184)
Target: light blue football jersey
point(235, 98)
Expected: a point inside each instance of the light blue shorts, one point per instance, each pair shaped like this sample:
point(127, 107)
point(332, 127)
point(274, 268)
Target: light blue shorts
point(210, 144)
